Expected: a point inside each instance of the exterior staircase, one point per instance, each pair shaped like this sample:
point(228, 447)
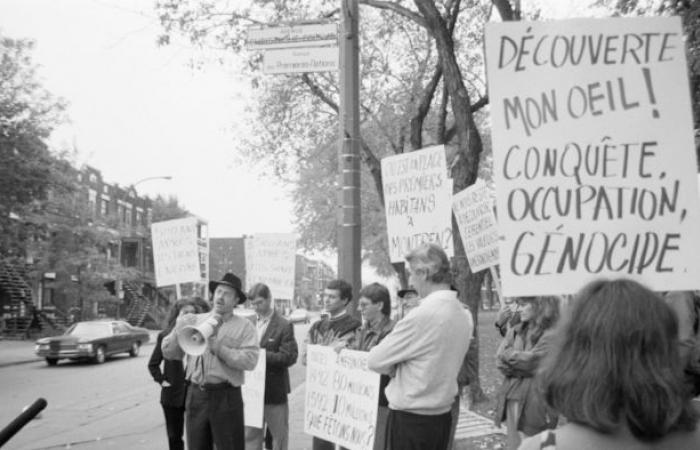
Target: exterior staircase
point(139, 305)
point(18, 315)
point(21, 315)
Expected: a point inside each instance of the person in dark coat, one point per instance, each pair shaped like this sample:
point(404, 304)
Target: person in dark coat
point(171, 379)
point(277, 339)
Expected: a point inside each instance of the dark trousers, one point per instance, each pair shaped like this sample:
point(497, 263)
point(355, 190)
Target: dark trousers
point(321, 444)
point(175, 426)
point(215, 417)
point(408, 431)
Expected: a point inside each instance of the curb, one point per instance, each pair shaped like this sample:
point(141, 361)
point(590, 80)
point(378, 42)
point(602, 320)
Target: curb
point(17, 363)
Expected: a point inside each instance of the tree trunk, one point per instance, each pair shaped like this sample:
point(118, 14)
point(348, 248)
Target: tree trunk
point(464, 171)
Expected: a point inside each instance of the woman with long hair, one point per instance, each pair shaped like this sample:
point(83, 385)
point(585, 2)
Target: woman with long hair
point(172, 377)
point(520, 403)
point(616, 374)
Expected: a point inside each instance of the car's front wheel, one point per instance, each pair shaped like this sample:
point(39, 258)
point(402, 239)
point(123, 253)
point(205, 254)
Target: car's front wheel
point(135, 347)
point(51, 361)
point(100, 356)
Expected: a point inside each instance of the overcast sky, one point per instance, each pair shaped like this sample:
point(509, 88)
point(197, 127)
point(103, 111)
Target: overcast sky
point(139, 111)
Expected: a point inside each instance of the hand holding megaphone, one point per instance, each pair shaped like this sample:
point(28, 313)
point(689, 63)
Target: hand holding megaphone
point(193, 339)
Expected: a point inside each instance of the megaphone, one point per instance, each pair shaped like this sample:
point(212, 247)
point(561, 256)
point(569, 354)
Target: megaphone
point(193, 339)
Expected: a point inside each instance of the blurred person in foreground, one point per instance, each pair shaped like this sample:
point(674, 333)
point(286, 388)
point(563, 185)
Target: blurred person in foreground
point(172, 378)
point(338, 326)
point(277, 338)
point(423, 355)
point(214, 406)
point(375, 306)
point(616, 375)
point(520, 403)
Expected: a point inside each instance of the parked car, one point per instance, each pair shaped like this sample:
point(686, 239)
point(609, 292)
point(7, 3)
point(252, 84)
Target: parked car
point(95, 340)
point(299, 315)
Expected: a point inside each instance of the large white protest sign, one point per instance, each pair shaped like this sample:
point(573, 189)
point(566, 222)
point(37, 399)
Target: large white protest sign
point(473, 209)
point(253, 392)
point(341, 397)
point(270, 259)
point(417, 201)
point(594, 156)
point(176, 251)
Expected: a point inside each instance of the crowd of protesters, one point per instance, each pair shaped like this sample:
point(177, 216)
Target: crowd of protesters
point(615, 366)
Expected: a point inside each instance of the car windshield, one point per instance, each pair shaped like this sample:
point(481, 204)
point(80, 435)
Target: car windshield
point(90, 330)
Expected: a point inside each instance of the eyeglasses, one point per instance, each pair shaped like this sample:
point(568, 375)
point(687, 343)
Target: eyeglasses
point(364, 305)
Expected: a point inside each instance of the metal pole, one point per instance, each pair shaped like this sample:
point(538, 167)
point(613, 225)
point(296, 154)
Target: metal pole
point(349, 148)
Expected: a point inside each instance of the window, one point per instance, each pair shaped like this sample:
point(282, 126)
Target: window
point(92, 200)
point(104, 206)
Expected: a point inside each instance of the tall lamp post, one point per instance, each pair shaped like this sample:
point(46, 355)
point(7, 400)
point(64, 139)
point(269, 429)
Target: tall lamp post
point(163, 177)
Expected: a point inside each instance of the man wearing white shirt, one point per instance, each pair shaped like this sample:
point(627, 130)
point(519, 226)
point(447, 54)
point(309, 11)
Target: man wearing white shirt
point(423, 354)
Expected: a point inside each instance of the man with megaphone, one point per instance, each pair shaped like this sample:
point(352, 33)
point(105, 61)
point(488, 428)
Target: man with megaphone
point(217, 348)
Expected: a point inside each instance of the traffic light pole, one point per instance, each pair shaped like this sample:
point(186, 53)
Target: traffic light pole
point(349, 229)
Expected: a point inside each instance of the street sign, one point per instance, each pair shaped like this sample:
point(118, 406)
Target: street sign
point(320, 34)
point(299, 60)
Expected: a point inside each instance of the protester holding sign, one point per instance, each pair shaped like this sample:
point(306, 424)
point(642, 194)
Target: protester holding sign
point(518, 357)
point(171, 378)
point(617, 376)
point(375, 306)
point(277, 338)
point(214, 402)
point(338, 326)
point(423, 355)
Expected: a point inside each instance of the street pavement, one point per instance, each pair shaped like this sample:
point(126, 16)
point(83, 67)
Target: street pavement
point(14, 352)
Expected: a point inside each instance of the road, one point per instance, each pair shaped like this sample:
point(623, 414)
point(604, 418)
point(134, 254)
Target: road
point(113, 405)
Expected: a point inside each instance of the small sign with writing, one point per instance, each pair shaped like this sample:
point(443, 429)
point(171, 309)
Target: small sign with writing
point(342, 396)
point(473, 209)
point(176, 251)
point(270, 258)
point(417, 201)
point(309, 35)
point(253, 392)
point(594, 155)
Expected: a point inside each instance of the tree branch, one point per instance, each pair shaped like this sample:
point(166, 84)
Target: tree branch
point(398, 9)
point(318, 92)
point(442, 116)
point(424, 107)
point(505, 10)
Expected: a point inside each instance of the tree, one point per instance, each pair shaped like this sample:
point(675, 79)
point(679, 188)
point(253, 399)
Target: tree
point(28, 113)
point(413, 94)
point(168, 209)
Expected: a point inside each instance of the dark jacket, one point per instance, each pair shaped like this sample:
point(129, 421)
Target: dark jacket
point(173, 372)
point(518, 359)
point(281, 352)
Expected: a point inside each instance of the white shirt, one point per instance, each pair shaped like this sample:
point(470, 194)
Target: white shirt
point(425, 350)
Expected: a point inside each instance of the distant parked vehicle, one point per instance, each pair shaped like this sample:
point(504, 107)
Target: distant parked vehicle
point(299, 315)
point(95, 340)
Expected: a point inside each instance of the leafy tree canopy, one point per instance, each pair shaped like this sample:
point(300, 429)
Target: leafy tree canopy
point(28, 113)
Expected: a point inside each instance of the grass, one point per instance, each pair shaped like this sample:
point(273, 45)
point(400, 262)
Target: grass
point(491, 379)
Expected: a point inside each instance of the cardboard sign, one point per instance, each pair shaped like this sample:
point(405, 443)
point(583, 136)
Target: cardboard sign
point(473, 209)
point(253, 392)
point(594, 157)
point(417, 201)
point(270, 259)
point(176, 251)
point(341, 397)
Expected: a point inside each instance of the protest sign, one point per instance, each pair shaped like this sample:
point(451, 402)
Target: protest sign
point(176, 251)
point(473, 210)
point(253, 392)
point(270, 259)
point(417, 199)
point(594, 157)
point(341, 397)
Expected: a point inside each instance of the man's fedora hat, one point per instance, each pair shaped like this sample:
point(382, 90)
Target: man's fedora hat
point(231, 281)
